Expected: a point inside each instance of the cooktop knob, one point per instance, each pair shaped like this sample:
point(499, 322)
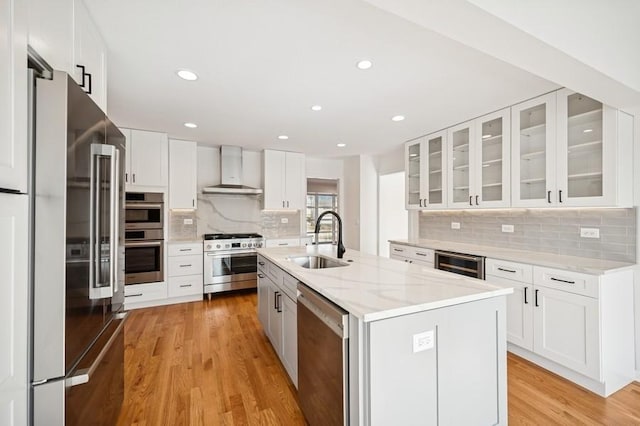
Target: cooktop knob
point(217, 245)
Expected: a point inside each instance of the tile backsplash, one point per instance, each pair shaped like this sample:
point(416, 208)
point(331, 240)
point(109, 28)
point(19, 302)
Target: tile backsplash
point(545, 230)
point(232, 213)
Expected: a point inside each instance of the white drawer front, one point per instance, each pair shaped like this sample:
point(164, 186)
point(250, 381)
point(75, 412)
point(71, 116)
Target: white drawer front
point(185, 286)
point(290, 286)
point(145, 292)
point(397, 250)
point(275, 273)
point(509, 270)
point(185, 265)
point(423, 255)
point(283, 242)
point(185, 249)
point(572, 282)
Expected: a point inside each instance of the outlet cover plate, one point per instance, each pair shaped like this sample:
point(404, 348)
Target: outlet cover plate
point(590, 232)
point(284, 220)
point(455, 225)
point(423, 341)
point(507, 228)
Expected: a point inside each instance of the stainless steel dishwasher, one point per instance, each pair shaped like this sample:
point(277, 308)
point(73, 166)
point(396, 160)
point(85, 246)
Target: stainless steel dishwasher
point(323, 359)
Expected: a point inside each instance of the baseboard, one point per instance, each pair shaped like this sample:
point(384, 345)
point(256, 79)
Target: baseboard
point(637, 375)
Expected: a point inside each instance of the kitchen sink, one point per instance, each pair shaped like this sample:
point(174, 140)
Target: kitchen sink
point(317, 262)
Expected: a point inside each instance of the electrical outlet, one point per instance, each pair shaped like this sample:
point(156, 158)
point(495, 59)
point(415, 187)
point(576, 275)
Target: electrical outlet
point(590, 232)
point(423, 341)
point(284, 220)
point(188, 222)
point(455, 225)
point(507, 228)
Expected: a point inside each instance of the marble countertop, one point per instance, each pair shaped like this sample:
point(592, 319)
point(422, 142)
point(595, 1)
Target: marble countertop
point(374, 288)
point(550, 260)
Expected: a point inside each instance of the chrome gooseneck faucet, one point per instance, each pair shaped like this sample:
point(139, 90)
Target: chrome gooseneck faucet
point(341, 248)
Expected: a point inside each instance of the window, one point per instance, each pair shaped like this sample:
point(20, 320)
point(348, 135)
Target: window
point(318, 203)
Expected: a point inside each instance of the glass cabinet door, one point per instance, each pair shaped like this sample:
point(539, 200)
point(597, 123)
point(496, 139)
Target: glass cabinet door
point(460, 165)
point(533, 153)
point(493, 142)
point(435, 176)
point(581, 149)
point(413, 166)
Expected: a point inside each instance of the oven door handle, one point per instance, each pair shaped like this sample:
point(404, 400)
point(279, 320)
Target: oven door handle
point(234, 254)
point(143, 244)
point(142, 206)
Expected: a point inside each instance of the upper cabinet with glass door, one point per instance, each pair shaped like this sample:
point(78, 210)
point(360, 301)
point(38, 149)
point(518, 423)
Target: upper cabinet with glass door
point(571, 150)
point(479, 162)
point(425, 179)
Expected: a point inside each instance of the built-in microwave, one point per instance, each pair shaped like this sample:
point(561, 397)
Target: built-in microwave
point(144, 210)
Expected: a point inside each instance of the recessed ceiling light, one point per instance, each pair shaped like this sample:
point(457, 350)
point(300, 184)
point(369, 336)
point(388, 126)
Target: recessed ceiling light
point(187, 75)
point(283, 137)
point(317, 107)
point(365, 64)
point(486, 136)
point(341, 145)
point(587, 130)
point(190, 125)
point(397, 118)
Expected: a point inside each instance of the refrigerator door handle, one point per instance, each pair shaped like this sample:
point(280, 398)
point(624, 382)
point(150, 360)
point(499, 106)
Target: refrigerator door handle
point(83, 376)
point(115, 220)
point(96, 289)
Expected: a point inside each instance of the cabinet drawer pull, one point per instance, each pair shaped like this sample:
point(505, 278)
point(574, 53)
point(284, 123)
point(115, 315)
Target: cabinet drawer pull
point(421, 254)
point(507, 270)
point(279, 298)
point(536, 301)
point(283, 244)
point(477, 196)
point(562, 281)
point(134, 295)
point(560, 196)
point(399, 250)
point(525, 296)
point(186, 249)
point(549, 197)
point(186, 266)
point(185, 285)
point(420, 202)
point(275, 300)
point(261, 263)
point(470, 200)
point(260, 276)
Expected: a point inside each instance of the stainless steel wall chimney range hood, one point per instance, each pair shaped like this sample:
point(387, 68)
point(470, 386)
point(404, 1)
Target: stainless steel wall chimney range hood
point(231, 174)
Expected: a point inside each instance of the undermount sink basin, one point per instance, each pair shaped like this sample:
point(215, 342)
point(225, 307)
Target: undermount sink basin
point(317, 262)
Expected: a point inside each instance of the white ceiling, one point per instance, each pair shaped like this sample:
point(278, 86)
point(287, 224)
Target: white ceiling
point(263, 64)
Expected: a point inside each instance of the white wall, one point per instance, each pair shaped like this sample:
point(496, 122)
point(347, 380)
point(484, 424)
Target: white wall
point(392, 215)
point(368, 205)
point(636, 187)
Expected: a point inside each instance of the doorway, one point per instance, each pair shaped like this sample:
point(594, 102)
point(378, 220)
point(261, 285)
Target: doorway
point(393, 218)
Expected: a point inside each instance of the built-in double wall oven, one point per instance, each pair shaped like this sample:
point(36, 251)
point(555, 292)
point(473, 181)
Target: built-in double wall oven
point(144, 238)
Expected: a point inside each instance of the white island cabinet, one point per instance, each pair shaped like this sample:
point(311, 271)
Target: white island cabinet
point(414, 335)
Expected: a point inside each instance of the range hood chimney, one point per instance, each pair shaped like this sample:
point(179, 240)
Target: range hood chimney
point(231, 174)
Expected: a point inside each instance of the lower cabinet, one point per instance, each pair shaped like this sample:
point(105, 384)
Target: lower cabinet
point(570, 322)
point(409, 254)
point(277, 312)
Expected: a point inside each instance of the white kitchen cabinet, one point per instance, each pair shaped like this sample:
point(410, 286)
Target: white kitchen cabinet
point(183, 174)
point(282, 242)
point(409, 254)
point(277, 312)
point(90, 56)
point(13, 95)
point(478, 162)
point(185, 271)
point(577, 325)
point(14, 327)
point(284, 180)
point(570, 150)
point(145, 295)
point(51, 26)
point(147, 163)
point(425, 163)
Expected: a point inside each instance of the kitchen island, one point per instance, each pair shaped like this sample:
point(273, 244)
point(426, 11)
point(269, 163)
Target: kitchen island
point(425, 346)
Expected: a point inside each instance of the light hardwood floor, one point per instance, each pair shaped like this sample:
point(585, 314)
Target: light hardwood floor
point(209, 363)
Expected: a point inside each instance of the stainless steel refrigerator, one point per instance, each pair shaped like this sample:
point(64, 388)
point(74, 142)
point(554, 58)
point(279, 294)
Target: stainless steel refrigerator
point(77, 368)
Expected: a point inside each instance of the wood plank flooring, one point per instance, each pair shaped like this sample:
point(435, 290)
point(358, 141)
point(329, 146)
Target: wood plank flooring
point(210, 363)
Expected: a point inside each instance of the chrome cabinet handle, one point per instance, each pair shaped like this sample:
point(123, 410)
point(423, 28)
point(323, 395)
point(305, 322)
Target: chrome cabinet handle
point(185, 285)
point(260, 276)
point(186, 249)
point(507, 270)
point(399, 250)
point(134, 295)
point(186, 266)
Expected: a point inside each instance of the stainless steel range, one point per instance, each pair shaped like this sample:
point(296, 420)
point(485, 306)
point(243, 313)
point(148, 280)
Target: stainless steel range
point(230, 261)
